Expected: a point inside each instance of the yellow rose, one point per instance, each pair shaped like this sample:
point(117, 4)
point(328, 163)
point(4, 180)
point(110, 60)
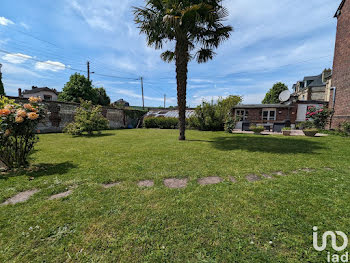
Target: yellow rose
point(21, 113)
point(34, 99)
point(28, 106)
point(4, 112)
point(32, 116)
point(19, 119)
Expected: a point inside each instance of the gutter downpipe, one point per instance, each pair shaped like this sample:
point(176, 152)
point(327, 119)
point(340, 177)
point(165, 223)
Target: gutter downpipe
point(333, 106)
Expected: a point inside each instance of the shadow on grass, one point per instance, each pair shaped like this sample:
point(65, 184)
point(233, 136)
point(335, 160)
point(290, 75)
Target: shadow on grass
point(95, 135)
point(40, 170)
point(268, 144)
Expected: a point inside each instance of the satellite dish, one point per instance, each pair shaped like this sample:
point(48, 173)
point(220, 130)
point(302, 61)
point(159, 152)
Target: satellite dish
point(284, 96)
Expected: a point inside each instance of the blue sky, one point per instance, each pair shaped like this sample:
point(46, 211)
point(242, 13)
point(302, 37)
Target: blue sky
point(274, 40)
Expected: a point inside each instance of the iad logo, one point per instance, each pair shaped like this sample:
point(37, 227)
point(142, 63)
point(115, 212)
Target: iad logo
point(333, 236)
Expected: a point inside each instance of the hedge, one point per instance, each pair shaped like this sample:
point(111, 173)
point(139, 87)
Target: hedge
point(161, 122)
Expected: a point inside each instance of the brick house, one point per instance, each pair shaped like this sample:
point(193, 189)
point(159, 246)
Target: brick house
point(340, 95)
point(273, 117)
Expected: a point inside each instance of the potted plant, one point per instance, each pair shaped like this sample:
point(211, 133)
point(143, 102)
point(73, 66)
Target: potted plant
point(256, 129)
point(311, 132)
point(287, 131)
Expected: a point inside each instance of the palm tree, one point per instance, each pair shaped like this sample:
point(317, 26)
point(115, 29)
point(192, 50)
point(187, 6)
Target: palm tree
point(196, 28)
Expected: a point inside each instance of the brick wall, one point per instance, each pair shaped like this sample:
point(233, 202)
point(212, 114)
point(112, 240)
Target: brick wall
point(282, 114)
point(341, 67)
point(62, 113)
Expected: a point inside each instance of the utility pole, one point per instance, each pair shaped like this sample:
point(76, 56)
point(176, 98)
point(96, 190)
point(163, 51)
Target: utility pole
point(143, 98)
point(88, 70)
point(164, 101)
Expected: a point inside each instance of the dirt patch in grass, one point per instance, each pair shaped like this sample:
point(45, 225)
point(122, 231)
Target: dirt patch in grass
point(61, 195)
point(110, 185)
point(175, 183)
point(209, 180)
point(279, 173)
point(20, 197)
point(267, 176)
point(145, 183)
point(253, 178)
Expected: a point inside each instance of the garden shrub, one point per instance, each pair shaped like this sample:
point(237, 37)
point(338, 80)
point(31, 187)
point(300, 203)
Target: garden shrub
point(230, 123)
point(161, 122)
point(319, 117)
point(256, 129)
point(18, 130)
point(213, 116)
point(305, 125)
point(88, 118)
point(345, 127)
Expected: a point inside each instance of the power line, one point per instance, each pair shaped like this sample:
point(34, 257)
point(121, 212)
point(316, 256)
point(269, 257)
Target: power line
point(65, 67)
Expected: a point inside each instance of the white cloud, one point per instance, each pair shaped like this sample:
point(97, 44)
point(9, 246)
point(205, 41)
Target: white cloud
point(25, 25)
point(195, 80)
point(101, 14)
point(10, 69)
point(50, 65)
point(5, 22)
point(16, 58)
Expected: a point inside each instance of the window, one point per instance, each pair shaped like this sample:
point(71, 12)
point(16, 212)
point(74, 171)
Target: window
point(241, 115)
point(47, 97)
point(269, 115)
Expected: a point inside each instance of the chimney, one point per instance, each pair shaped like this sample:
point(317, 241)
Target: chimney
point(19, 92)
point(325, 74)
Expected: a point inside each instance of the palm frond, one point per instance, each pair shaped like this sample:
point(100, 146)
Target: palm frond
point(204, 55)
point(168, 56)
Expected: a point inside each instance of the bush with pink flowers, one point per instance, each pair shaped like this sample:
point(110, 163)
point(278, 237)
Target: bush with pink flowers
point(319, 117)
point(18, 125)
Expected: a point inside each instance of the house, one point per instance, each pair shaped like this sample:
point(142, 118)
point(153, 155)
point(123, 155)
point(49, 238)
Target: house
point(314, 87)
point(45, 93)
point(122, 103)
point(340, 93)
point(273, 117)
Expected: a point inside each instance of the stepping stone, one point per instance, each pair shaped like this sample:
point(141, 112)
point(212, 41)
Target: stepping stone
point(252, 178)
point(232, 179)
point(175, 183)
point(328, 169)
point(279, 173)
point(61, 195)
point(308, 170)
point(146, 183)
point(295, 172)
point(267, 176)
point(110, 185)
point(21, 197)
point(209, 180)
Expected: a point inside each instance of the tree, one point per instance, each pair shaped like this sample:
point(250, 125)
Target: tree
point(272, 96)
point(2, 90)
point(195, 27)
point(102, 97)
point(78, 87)
point(213, 116)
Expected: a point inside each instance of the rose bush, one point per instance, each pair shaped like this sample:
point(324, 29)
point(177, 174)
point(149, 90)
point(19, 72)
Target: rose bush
point(319, 117)
point(18, 125)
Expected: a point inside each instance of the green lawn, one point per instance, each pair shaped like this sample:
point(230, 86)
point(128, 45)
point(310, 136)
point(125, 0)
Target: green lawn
point(227, 222)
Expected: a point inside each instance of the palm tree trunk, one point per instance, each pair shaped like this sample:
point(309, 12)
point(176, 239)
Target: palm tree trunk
point(182, 57)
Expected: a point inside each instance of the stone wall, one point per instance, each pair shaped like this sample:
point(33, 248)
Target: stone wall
point(62, 113)
point(341, 68)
